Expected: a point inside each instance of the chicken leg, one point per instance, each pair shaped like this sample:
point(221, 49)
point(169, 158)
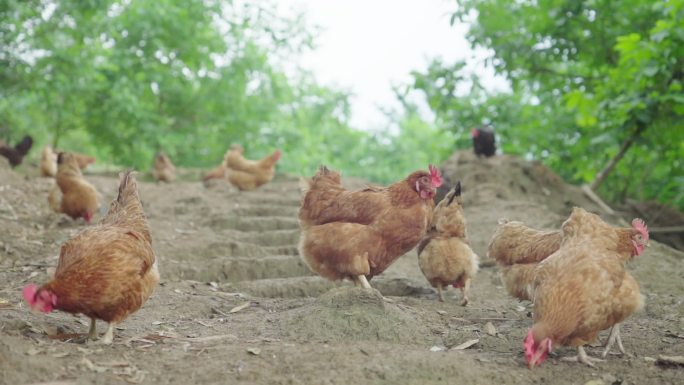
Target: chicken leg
point(440, 293)
point(582, 357)
point(361, 280)
point(92, 333)
point(614, 338)
point(465, 290)
point(109, 334)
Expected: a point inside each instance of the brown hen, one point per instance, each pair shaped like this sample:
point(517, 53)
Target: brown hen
point(106, 271)
point(358, 234)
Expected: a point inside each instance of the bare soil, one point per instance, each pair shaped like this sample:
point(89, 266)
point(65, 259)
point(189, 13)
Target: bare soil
point(236, 304)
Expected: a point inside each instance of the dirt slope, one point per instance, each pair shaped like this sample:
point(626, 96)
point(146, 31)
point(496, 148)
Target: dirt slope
point(220, 249)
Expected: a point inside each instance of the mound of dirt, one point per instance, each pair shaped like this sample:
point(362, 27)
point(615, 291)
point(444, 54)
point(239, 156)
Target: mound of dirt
point(355, 314)
point(237, 305)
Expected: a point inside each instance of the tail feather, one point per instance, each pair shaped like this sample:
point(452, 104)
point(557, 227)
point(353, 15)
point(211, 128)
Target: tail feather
point(126, 210)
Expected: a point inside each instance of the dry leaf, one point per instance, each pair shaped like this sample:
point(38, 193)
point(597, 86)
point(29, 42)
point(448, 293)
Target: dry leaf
point(34, 351)
point(437, 348)
point(208, 338)
point(137, 378)
point(441, 312)
point(670, 360)
point(490, 329)
point(239, 307)
point(91, 366)
point(60, 355)
point(254, 351)
point(84, 350)
point(466, 344)
point(214, 284)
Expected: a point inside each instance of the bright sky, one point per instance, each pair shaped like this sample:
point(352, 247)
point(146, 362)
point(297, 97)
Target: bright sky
point(366, 46)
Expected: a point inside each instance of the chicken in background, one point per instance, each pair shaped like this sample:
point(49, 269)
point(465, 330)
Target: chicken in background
point(219, 172)
point(358, 234)
point(107, 271)
point(48, 162)
point(246, 174)
point(78, 198)
point(15, 155)
point(83, 160)
point(164, 170)
point(583, 287)
point(484, 143)
point(444, 255)
point(518, 249)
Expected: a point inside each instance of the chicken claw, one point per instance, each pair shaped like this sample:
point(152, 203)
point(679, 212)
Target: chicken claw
point(583, 358)
point(614, 338)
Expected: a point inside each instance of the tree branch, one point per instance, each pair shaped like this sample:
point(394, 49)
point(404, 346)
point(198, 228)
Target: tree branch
point(603, 174)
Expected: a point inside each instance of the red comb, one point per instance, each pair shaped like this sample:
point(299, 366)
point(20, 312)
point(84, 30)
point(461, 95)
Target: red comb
point(640, 226)
point(436, 178)
point(29, 293)
point(528, 344)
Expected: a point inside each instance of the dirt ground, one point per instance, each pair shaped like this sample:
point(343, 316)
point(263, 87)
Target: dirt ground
point(236, 304)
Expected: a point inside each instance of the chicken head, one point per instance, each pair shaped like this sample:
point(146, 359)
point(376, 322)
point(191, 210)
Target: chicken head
point(426, 184)
point(41, 300)
point(536, 353)
point(640, 238)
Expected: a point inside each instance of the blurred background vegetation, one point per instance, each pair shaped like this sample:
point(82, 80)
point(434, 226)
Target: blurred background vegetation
point(123, 79)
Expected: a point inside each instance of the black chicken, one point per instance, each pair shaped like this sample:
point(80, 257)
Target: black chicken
point(16, 154)
point(484, 143)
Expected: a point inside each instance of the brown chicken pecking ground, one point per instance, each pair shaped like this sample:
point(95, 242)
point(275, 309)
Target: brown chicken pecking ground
point(301, 329)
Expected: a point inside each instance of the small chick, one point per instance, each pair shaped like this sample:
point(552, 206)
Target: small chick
point(444, 256)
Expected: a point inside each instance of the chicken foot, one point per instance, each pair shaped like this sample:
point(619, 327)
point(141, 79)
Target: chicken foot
point(582, 357)
point(614, 338)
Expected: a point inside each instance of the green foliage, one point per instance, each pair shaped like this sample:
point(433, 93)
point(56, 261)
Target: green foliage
point(124, 79)
point(586, 76)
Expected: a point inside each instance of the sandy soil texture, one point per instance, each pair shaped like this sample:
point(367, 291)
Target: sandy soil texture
point(236, 304)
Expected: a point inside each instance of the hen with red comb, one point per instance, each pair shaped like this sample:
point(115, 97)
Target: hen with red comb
point(583, 287)
point(106, 271)
point(358, 234)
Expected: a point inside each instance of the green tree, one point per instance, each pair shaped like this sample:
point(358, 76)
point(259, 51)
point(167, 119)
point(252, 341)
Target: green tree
point(596, 89)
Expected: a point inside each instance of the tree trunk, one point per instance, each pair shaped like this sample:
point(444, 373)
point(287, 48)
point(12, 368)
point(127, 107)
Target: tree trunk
point(603, 174)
